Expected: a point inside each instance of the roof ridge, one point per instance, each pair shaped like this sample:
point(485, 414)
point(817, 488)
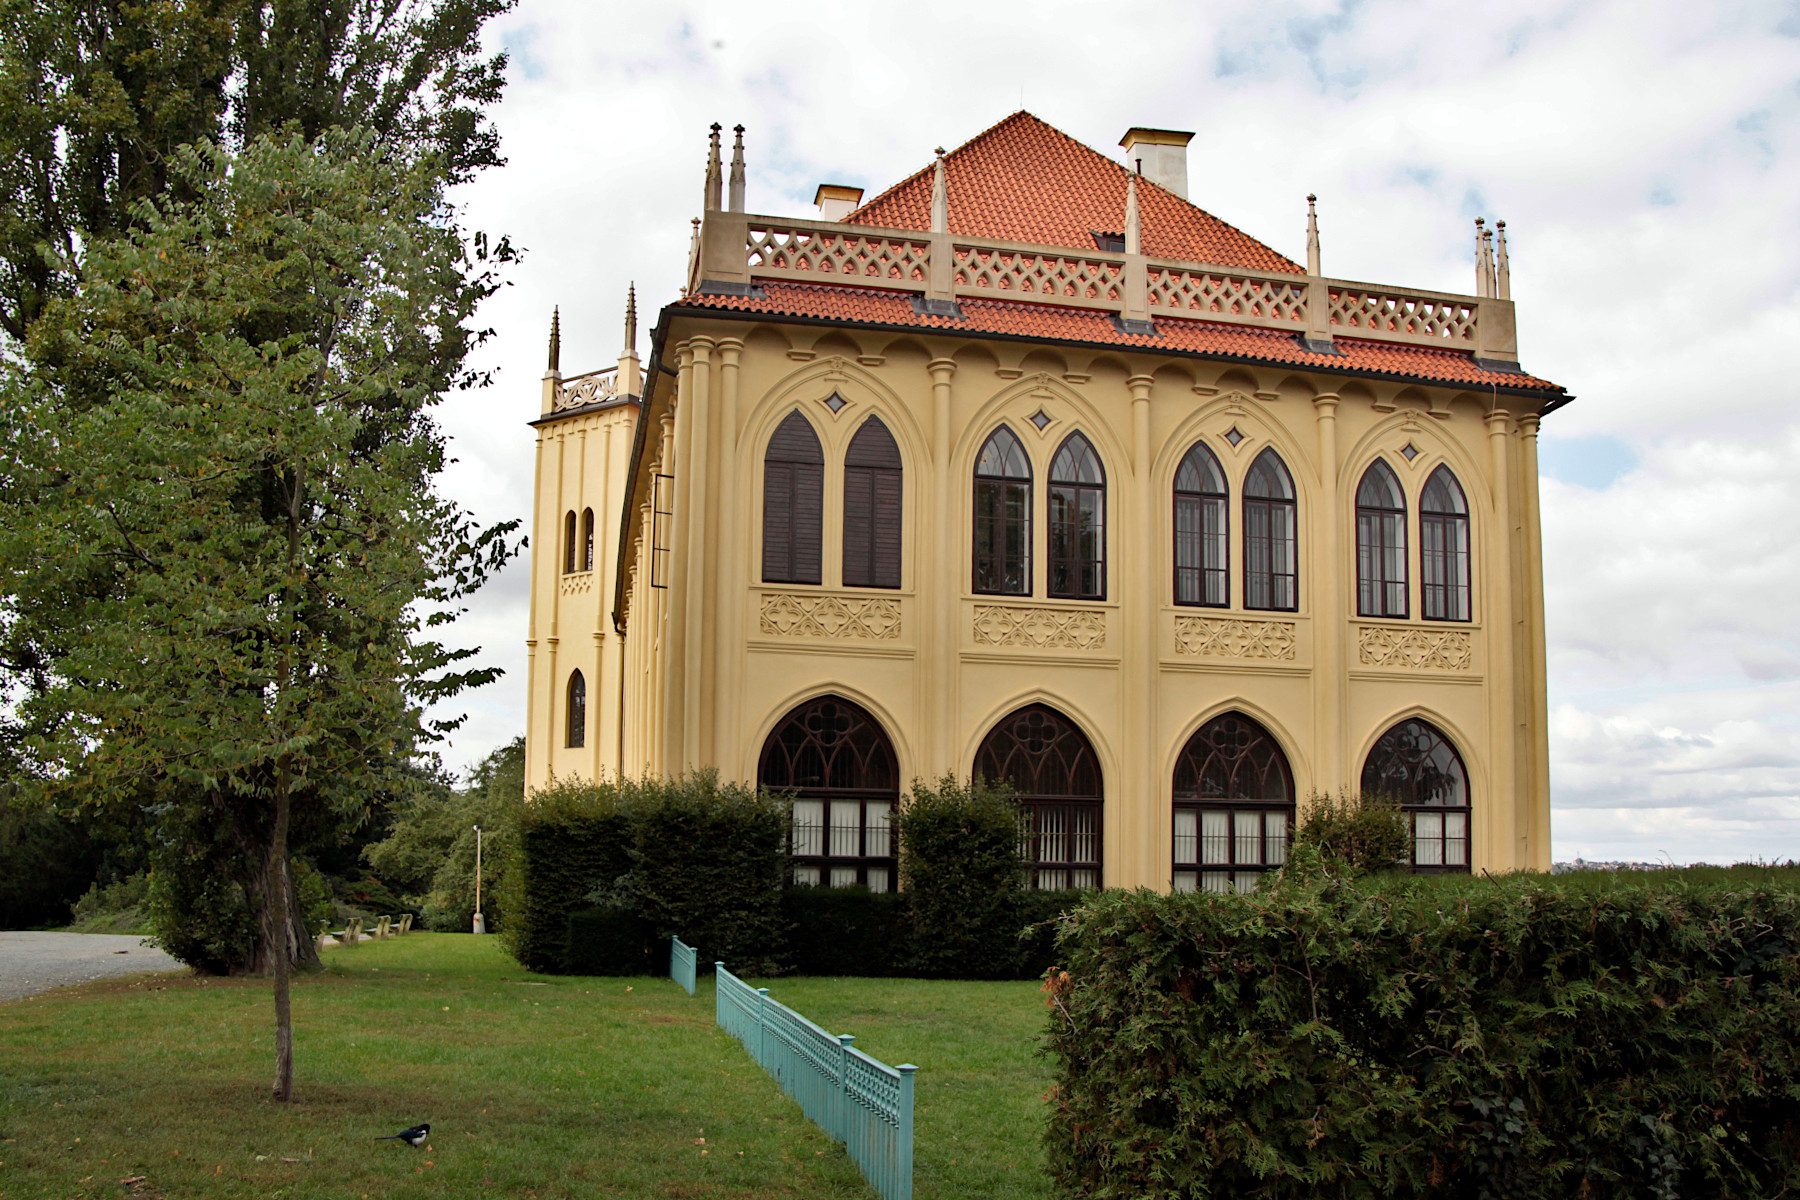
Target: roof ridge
point(850, 218)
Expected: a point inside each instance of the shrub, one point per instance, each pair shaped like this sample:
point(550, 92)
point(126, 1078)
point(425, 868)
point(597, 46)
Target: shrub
point(572, 838)
point(611, 941)
point(848, 931)
point(119, 907)
point(959, 859)
point(1357, 832)
point(1405, 1037)
point(1038, 919)
point(46, 859)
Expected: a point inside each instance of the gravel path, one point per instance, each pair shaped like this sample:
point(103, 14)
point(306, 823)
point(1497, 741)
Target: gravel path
point(37, 962)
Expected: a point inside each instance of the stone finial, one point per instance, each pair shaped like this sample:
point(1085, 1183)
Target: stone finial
point(1482, 274)
point(714, 176)
point(1502, 269)
point(737, 170)
point(694, 257)
point(1133, 233)
point(631, 319)
point(555, 366)
point(940, 196)
point(1312, 234)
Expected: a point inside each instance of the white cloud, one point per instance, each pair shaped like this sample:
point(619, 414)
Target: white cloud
point(1642, 151)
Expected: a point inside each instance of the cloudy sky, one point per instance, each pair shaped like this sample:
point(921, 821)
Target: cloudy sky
point(1643, 154)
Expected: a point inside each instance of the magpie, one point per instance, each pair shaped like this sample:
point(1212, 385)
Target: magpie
point(413, 1137)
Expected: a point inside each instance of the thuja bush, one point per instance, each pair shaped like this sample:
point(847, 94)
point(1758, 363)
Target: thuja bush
point(959, 861)
point(1396, 1037)
point(1363, 833)
point(687, 856)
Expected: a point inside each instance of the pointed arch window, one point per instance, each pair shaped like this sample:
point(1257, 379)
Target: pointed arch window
point(1444, 548)
point(1415, 764)
point(575, 710)
point(793, 503)
point(1234, 806)
point(587, 539)
point(1271, 573)
point(1002, 516)
point(839, 765)
point(1052, 766)
point(569, 544)
point(872, 492)
point(1380, 543)
point(1077, 521)
point(1202, 548)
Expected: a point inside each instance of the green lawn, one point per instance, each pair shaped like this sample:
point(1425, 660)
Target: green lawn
point(535, 1086)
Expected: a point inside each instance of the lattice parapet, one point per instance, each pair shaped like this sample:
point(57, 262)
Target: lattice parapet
point(1432, 320)
point(808, 252)
point(1419, 649)
point(1219, 297)
point(1228, 637)
point(1039, 628)
point(1047, 276)
point(596, 387)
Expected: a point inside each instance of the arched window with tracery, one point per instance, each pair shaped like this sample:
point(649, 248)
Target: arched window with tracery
point(1077, 521)
point(1002, 516)
point(1052, 767)
point(570, 547)
point(1202, 548)
point(587, 539)
point(793, 503)
point(575, 711)
point(872, 479)
point(1444, 548)
point(1271, 553)
point(1234, 806)
point(1415, 764)
point(836, 761)
point(1380, 544)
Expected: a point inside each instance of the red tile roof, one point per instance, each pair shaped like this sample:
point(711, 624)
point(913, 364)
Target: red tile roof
point(1024, 181)
point(1059, 323)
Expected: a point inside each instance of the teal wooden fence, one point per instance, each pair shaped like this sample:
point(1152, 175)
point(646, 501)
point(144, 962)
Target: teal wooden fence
point(865, 1104)
point(684, 964)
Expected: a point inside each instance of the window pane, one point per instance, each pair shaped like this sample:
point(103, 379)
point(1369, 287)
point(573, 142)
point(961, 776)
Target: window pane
point(1186, 881)
point(846, 829)
point(1456, 839)
point(1275, 837)
point(1187, 839)
point(809, 829)
point(1215, 881)
point(1248, 826)
point(878, 879)
point(1053, 840)
point(1052, 880)
point(806, 877)
point(1085, 835)
point(843, 877)
point(877, 839)
point(1428, 839)
point(1215, 837)
point(1084, 879)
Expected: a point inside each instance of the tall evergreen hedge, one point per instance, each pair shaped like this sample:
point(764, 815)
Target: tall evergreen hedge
point(573, 837)
point(1523, 1037)
point(959, 861)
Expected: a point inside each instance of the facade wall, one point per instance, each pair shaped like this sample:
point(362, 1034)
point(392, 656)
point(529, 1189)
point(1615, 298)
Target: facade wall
point(714, 658)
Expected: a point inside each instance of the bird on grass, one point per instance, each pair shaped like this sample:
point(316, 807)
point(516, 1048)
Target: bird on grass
point(413, 1137)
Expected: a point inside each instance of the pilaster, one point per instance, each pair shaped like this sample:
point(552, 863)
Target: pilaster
point(699, 546)
point(940, 587)
point(1536, 717)
point(728, 631)
point(1142, 827)
point(1330, 612)
point(674, 664)
point(1504, 825)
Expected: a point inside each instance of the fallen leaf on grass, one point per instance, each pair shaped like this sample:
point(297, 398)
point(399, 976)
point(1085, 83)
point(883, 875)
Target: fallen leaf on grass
point(131, 1179)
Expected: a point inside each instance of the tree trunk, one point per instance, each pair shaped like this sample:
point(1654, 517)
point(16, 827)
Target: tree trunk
point(278, 932)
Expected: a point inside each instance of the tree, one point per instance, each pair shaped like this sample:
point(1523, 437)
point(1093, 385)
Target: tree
point(254, 499)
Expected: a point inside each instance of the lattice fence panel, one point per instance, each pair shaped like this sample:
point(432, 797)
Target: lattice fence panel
point(808, 252)
point(1209, 295)
point(1052, 276)
point(1424, 318)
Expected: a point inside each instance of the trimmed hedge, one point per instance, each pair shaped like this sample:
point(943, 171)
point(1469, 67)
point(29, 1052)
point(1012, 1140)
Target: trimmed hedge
point(573, 837)
point(608, 941)
point(1404, 1037)
point(849, 931)
point(959, 860)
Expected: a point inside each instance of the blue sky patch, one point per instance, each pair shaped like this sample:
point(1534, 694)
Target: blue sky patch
point(1592, 461)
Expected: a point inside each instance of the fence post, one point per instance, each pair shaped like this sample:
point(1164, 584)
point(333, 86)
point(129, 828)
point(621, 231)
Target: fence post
point(842, 1132)
point(904, 1131)
point(762, 1030)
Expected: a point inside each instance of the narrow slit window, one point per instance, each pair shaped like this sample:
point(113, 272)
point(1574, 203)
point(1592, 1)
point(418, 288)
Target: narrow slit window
point(569, 543)
point(793, 503)
point(1380, 544)
point(1271, 553)
point(577, 711)
point(1077, 521)
point(872, 510)
point(1444, 548)
point(1002, 534)
point(1202, 547)
point(587, 539)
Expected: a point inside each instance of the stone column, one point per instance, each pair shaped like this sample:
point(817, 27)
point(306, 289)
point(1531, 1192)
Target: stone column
point(1502, 816)
point(941, 573)
point(727, 630)
point(1140, 836)
point(1331, 615)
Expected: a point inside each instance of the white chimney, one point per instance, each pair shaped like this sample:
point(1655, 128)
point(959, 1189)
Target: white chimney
point(836, 201)
point(1159, 155)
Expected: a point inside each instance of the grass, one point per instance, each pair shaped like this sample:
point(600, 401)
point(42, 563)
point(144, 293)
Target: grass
point(536, 1087)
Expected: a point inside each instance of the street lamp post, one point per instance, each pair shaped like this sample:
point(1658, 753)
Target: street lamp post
point(480, 925)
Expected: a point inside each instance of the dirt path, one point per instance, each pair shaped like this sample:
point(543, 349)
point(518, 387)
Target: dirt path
point(37, 962)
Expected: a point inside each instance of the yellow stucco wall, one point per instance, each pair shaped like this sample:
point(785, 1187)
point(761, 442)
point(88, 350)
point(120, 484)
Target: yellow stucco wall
point(711, 662)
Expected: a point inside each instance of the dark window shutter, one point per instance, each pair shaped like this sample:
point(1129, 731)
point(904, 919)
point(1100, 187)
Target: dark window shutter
point(793, 503)
point(886, 554)
point(872, 479)
point(859, 527)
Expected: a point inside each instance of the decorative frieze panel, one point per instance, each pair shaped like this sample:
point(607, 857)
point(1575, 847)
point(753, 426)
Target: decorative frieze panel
point(596, 387)
point(790, 615)
point(1424, 649)
point(577, 583)
point(1040, 628)
point(1230, 637)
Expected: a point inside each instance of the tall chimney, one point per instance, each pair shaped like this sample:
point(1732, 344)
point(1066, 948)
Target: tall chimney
point(1162, 154)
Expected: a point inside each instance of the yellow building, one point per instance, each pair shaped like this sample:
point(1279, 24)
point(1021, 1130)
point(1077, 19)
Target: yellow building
point(1029, 468)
